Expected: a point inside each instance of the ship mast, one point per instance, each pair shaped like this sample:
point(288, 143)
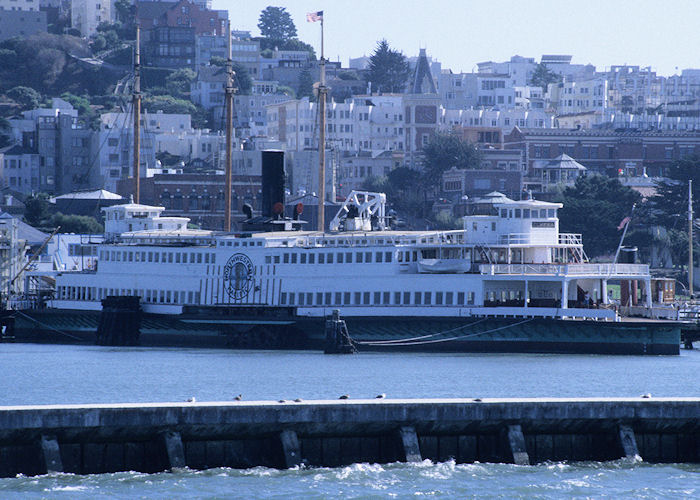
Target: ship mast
point(322, 90)
point(690, 237)
point(229, 126)
point(137, 115)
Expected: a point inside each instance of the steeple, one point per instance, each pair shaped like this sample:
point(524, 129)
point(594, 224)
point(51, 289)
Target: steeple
point(422, 79)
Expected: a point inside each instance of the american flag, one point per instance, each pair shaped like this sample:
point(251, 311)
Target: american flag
point(623, 222)
point(312, 17)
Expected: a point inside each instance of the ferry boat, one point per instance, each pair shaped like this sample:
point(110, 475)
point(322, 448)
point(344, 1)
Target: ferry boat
point(508, 280)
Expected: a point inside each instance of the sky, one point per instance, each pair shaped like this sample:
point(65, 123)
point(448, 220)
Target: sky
point(663, 34)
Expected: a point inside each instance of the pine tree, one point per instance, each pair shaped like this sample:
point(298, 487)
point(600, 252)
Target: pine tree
point(388, 69)
point(276, 23)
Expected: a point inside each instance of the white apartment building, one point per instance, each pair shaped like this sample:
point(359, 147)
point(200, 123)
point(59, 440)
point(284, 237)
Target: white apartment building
point(116, 140)
point(363, 123)
point(518, 68)
point(471, 90)
point(579, 96)
point(86, 15)
point(24, 5)
point(505, 120)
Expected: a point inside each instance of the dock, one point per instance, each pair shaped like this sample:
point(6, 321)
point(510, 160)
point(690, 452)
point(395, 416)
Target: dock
point(153, 437)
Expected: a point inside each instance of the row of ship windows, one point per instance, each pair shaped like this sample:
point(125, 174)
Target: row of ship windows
point(149, 296)
point(164, 257)
point(330, 258)
point(376, 298)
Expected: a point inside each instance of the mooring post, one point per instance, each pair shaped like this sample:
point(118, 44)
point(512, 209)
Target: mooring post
point(51, 453)
point(409, 440)
point(174, 449)
point(516, 444)
point(338, 339)
point(290, 448)
point(628, 441)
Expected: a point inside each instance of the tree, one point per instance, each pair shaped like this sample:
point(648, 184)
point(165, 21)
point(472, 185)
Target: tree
point(169, 104)
point(36, 209)
point(276, 23)
point(444, 151)
point(594, 207)
point(243, 81)
point(26, 97)
point(305, 85)
point(5, 133)
point(79, 224)
point(669, 207)
point(178, 82)
point(543, 76)
point(388, 69)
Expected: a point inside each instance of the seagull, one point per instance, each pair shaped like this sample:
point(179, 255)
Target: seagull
point(192, 400)
point(645, 396)
point(344, 396)
point(282, 401)
point(238, 398)
point(478, 400)
point(298, 400)
point(380, 396)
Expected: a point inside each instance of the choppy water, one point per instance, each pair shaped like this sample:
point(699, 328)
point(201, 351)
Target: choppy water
point(45, 374)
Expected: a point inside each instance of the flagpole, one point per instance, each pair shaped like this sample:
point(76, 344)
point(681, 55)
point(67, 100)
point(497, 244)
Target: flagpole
point(617, 253)
point(322, 141)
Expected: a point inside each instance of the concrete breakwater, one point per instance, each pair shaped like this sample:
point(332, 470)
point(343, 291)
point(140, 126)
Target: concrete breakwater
point(159, 436)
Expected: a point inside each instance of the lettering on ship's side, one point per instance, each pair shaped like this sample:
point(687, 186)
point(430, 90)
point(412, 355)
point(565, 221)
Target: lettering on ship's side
point(238, 276)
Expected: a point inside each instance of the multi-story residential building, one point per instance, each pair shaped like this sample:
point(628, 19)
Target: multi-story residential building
point(86, 15)
point(505, 120)
point(579, 96)
point(518, 68)
point(65, 147)
point(363, 123)
point(19, 169)
point(615, 152)
point(246, 52)
point(116, 139)
point(20, 18)
point(472, 90)
point(209, 88)
point(561, 65)
point(250, 111)
point(208, 46)
point(170, 30)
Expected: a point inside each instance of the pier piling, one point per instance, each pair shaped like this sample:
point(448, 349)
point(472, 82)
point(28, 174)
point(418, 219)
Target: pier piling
point(51, 453)
point(409, 440)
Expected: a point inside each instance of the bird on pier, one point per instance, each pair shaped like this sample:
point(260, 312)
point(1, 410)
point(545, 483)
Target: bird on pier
point(238, 398)
point(192, 400)
point(380, 396)
point(282, 401)
point(298, 400)
point(344, 396)
point(645, 396)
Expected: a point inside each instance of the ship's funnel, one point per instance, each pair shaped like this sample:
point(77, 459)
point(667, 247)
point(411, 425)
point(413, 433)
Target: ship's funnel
point(273, 184)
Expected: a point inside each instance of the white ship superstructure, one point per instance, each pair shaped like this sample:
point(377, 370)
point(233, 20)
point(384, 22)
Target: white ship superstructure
point(509, 260)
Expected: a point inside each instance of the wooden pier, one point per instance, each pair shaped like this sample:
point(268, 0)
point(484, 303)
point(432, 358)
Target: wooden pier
point(161, 436)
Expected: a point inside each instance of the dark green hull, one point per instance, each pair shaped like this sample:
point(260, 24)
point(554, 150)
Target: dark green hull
point(280, 328)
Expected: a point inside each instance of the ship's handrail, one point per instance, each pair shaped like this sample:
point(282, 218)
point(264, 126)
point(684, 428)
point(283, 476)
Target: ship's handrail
point(613, 270)
point(539, 239)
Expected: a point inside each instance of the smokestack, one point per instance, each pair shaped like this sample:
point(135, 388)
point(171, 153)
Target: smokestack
point(272, 183)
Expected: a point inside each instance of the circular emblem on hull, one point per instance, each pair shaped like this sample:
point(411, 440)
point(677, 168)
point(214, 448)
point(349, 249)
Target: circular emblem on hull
point(238, 276)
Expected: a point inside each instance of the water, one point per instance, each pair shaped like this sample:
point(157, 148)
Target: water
point(49, 374)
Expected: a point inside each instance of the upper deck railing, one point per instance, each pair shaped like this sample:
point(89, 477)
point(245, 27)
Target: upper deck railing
point(611, 270)
point(537, 239)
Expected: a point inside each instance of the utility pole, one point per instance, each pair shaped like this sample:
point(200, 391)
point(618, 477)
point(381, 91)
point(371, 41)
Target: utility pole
point(137, 116)
point(229, 128)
